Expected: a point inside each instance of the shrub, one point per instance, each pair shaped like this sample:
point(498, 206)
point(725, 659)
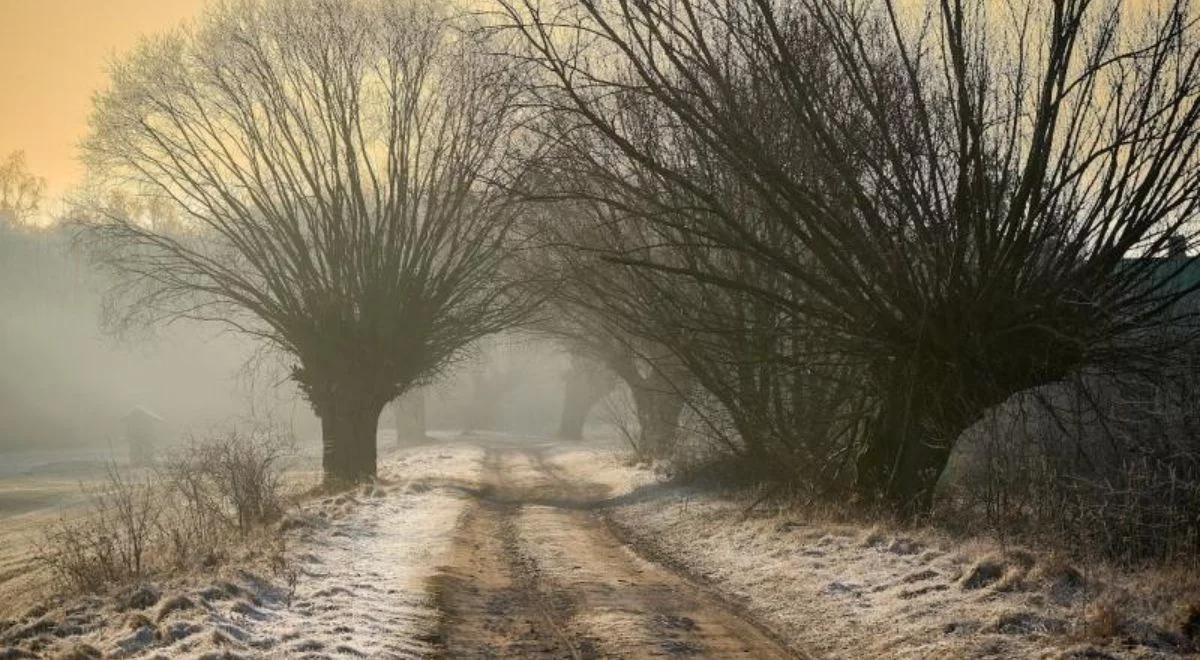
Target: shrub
point(1104, 468)
point(110, 543)
point(234, 478)
point(617, 411)
point(189, 510)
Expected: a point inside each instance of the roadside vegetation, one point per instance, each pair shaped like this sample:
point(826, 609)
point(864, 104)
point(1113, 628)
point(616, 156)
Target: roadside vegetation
point(935, 261)
point(193, 511)
point(925, 266)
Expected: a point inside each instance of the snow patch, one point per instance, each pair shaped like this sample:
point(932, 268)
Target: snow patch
point(362, 563)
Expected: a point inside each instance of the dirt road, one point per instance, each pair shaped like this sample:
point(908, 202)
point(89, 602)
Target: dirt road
point(479, 547)
point(534, 571)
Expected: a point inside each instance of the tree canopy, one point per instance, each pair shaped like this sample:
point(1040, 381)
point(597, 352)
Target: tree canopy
point(339, 171)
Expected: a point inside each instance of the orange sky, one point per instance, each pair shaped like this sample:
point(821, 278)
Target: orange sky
point(52, 58)
point(53, 55)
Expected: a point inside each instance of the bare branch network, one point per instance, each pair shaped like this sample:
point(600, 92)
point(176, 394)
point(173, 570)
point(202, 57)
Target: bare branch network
point(338, 172)
point(831, 236)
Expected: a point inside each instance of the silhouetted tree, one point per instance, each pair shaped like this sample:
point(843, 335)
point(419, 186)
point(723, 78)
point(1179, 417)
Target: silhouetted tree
point(586, 383)
point(579, 286)
point(408, 417)
point(778, 410)
point(981, 180)
point(340, 168)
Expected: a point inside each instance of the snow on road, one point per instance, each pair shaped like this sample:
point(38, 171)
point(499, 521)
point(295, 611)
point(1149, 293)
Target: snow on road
point(536, 573)
point(496, 546)
point(362, 584)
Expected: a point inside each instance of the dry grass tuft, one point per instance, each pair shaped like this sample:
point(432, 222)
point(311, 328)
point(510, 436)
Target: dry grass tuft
point(137, 620)
point(1003, 571)
point(1025, 622)
point(983, 572)
point(1057, 571)
point(1085, 652)
point(873, 538)
point(223, 590)
point(1021, 558)
point(81, 652)
point(190, 512)
point(1103, 618)
point(1063, 583)
point(905, 546)
point(139, 597)
point(176, 603)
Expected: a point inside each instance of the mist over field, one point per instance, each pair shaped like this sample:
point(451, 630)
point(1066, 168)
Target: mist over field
point(66, 383)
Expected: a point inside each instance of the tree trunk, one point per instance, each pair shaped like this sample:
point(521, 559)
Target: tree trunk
point(409, 417)
point(658, 413)
point(488, 390)
point(909, 445)
point(348, 432)
point(900, 467)
point(585, 386)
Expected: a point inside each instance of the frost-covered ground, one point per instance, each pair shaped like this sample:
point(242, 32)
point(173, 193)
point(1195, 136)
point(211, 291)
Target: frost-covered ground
point(352, 583)
point(360, 568)
point(846, 591)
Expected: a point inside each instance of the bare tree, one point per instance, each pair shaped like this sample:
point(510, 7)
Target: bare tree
point(992, 184)
point(20, 191)
point(408, 417)
point(580, 288)
point(340, 173)
point(777, 410)
point(586, 383)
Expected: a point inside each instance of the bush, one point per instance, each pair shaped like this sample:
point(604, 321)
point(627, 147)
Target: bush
point(110, 543)
point(233, 478)
point(617, 411)
point(1104, 468)
point(188, 511)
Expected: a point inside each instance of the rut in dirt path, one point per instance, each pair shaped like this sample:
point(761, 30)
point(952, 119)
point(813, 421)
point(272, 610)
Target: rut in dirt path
point(534, 573)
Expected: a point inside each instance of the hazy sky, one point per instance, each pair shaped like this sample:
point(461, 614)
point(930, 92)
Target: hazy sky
point(53, 55)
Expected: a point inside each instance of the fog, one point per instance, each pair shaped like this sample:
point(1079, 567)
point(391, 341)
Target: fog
point(509, 383)
point(66, 383)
